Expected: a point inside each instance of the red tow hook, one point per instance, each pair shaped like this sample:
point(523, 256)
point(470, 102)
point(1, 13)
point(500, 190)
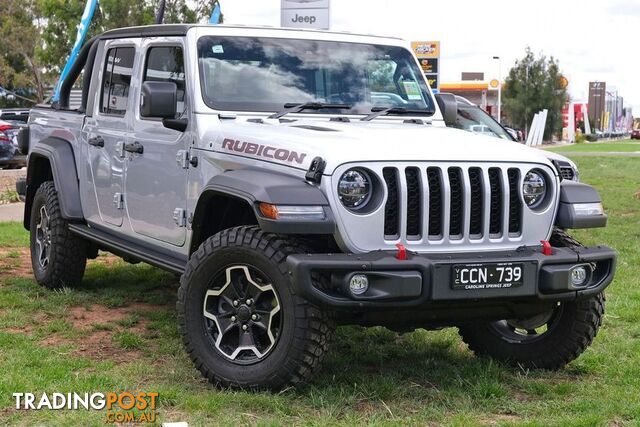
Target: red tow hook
point(402, 252)
point(546, 247)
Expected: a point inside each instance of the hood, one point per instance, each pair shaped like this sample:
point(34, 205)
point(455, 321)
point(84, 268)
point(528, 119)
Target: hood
point(296, 143)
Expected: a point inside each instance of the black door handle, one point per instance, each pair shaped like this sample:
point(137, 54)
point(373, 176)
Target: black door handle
point(97, 141)
point(134, 147)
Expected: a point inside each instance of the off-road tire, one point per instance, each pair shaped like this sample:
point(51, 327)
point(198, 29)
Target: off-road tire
point(306, 330)
point(67, 252)
point(561, 239)
point(574, 330)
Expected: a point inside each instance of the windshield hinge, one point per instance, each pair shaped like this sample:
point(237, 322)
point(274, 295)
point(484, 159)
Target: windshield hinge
point(316, 169)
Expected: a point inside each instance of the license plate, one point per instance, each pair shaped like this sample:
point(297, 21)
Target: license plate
point(487, 276)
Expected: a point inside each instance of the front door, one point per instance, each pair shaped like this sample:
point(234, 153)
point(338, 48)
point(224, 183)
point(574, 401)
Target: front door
point(107, 131)
point(156, 179)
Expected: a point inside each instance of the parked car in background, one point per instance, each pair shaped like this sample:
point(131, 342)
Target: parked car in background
point(474, 119)
point(19, 115)
point(635, 134)
point(10, 156)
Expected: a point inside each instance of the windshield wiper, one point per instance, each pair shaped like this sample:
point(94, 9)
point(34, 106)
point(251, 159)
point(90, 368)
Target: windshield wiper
point(296, 108)
point(382, 111)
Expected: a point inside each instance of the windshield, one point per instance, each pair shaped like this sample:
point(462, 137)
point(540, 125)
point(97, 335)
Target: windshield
point(473, 119)
point(264, 74)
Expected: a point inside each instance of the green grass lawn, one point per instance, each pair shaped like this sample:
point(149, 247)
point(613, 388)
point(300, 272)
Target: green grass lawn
point(118, 332)
point(625, 146)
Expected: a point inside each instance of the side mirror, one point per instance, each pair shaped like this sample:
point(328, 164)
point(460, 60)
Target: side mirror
point(448, 107)
point(159, 99)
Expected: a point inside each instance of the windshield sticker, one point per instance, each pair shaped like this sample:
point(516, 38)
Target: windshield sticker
point(217, 48)
point(266, 151)
point(413, 90)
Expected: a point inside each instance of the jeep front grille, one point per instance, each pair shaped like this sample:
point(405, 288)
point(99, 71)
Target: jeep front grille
point(455, 196)
point(432, 206)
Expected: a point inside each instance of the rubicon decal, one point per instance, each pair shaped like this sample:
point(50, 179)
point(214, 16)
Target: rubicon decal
point(265, 151)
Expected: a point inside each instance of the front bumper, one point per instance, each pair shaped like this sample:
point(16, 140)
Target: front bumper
point(424, 279)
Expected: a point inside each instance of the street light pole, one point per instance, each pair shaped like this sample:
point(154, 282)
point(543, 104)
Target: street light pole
point(499, 88)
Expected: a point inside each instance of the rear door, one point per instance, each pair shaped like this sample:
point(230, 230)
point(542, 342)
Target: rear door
point(156, 180)
point(107, 130)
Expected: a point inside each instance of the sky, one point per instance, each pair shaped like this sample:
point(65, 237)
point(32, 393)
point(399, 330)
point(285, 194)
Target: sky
point(592, 40)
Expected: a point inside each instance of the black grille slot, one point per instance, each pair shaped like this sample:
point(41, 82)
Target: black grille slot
point(566, 172)
point(457, 202)
point(414, 203)
point(391, 208)
point(476, 209)
point(435, 202)
point(515, 206)
point(495, 211)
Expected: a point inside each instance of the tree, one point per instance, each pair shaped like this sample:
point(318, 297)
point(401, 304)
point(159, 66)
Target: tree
point(38, 35)
point(534, 84)
point(59, 32)
point(20, 68)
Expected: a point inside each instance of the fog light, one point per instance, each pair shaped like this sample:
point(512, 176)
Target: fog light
point(358, 284)
point(579, 276)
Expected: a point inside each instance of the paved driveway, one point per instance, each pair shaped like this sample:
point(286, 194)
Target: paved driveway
point(11, 212)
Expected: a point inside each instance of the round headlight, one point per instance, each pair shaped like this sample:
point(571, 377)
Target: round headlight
point(534, 188)
point(354, 188)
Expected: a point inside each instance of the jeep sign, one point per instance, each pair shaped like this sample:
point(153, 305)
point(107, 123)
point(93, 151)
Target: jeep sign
point(312, 14)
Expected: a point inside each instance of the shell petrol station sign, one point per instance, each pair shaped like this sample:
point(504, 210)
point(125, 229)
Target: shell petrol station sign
point(428, 54)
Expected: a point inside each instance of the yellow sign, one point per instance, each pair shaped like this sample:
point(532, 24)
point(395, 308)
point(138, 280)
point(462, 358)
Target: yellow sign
point(564, 82)
point(494, 84)
point(426, 49)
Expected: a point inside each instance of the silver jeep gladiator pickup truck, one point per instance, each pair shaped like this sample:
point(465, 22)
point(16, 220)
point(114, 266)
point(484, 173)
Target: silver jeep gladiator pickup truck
point(299, 180)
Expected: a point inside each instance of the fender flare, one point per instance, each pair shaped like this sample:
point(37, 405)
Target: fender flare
point(255, 186)
point(60, 155)
point(574, 193)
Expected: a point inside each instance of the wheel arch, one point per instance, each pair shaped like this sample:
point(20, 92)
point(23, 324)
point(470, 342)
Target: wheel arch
point(232, 199)
point(52, 159)
point(217, 210)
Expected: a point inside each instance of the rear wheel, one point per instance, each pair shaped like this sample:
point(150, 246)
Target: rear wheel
point(58, 257)
point(242, 323)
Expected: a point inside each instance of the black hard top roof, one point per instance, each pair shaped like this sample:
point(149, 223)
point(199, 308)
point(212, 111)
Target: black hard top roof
point(148, 31)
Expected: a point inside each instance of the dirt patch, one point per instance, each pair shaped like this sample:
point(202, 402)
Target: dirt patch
point(99, 325)
point(83, 318)
point(15, 262)
point(97, 345)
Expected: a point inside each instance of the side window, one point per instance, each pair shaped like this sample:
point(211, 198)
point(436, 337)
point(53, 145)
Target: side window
point(166, 64)
point(117, 80)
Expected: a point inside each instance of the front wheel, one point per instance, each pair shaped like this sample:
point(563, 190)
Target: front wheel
point(547, 341)
point(241, 321)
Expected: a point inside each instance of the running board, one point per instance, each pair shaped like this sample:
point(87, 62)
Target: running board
point(125, 247)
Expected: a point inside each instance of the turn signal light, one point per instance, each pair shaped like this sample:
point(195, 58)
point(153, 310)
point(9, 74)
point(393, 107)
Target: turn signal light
point(269, 211)
point(292, 213)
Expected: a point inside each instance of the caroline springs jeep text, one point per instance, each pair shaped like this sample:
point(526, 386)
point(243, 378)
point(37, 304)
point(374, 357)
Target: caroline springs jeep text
point(298, 180)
